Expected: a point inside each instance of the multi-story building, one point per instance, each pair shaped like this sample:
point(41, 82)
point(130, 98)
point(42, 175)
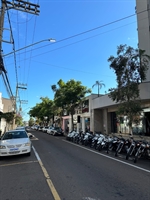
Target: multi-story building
point(143, 23)
point(102, 113)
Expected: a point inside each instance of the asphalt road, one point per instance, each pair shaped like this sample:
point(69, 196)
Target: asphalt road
point(58, 169)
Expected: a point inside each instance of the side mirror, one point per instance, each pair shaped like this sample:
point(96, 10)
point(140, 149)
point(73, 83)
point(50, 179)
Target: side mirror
point(30, 136)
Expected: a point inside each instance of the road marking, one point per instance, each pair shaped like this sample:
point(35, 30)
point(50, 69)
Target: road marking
point(109, 157)
point(49, 182)
point(18, 163)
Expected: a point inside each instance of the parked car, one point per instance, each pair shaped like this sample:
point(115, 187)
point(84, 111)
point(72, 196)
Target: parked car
point(57, 131)
point(25, 128)
point(40, 128)
point(45, 128)
point(15, 142)
point(36, 127)
point(50, 128)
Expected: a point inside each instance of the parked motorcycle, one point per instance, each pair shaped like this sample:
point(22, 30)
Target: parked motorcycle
point(94, 141)
point(100, 142)
point(142, 151)
point(113, 144)
point(123, 145)
point(87, 140)
point(132, 148)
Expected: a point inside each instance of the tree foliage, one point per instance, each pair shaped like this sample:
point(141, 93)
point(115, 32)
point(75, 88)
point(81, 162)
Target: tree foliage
point(43, 109)
point(31, 121)
point(18, 120)
point(8, 116)
point(130, 66)
point(69, 95)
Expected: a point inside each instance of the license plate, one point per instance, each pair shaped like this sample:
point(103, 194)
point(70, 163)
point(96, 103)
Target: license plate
point(14, 149)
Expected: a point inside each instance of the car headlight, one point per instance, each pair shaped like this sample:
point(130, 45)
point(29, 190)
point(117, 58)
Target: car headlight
point(2, 147)
point(27, 144)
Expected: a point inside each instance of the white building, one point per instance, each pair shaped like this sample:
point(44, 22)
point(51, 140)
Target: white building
point(102, 112)
point(143, 22)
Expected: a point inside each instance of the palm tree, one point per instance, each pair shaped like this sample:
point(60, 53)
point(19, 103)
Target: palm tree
point(99, 84)
point(54, 88)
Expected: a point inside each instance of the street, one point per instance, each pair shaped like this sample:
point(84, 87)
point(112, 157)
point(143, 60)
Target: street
point(59, 169)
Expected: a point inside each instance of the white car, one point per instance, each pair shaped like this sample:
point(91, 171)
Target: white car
point(45, 128)
point(15, 142)
point(50, 129)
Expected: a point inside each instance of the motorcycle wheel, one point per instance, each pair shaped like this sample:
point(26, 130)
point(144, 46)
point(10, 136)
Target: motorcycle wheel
point(100, 147)
point(117, 150)
point(128, 154)
point(135, 159)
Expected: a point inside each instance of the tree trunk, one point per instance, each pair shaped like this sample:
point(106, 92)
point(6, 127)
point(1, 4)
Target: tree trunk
point(72, 121)
point(98, 91)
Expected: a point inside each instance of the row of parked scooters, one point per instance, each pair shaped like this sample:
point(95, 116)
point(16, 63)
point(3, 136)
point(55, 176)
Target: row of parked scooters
point(131, 148)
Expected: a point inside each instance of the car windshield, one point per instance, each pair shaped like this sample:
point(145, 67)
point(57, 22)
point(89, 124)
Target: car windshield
point(14, 135)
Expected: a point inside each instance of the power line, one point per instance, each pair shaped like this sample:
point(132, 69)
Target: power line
point(73, 42)
point(90, 30)
point(12, 43)
point(76, 70)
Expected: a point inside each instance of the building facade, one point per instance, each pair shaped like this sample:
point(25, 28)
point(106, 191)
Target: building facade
point(5, 106)
point(143, 23)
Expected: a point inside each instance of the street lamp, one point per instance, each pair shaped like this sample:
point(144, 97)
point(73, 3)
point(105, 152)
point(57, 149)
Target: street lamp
point(49, 40)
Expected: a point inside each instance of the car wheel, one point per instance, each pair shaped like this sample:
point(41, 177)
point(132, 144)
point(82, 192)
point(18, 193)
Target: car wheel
point(28, 154)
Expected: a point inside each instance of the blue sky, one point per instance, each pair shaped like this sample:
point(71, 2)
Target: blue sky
point(86, 36)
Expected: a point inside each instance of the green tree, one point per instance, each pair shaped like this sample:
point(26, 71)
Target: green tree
point(99, 84)
point(69, 95)
point(31, 121)
point(130, 67)
point(8, 116)
point(19, 120)
point(43, 109)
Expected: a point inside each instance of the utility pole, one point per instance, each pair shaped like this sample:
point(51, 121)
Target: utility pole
point(24, 6)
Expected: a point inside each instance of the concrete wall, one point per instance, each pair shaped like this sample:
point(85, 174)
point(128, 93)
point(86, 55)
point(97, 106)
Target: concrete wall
point(105, 101)
point(7, 107)
point(145, 90)
point(98, 120)
point(1, 104)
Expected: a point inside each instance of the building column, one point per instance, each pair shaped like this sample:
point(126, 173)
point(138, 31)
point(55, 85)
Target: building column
point(105, 121)
point(70, 124)
point(78, 127)
point(83, 124)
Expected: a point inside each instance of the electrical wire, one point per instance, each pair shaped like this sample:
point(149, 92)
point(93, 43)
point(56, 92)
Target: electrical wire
point(7, 85)
point(31, 51)
point(99, 27)
point(74, 42)
point(90, 30)
point(76, 35)
point(14, 54)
